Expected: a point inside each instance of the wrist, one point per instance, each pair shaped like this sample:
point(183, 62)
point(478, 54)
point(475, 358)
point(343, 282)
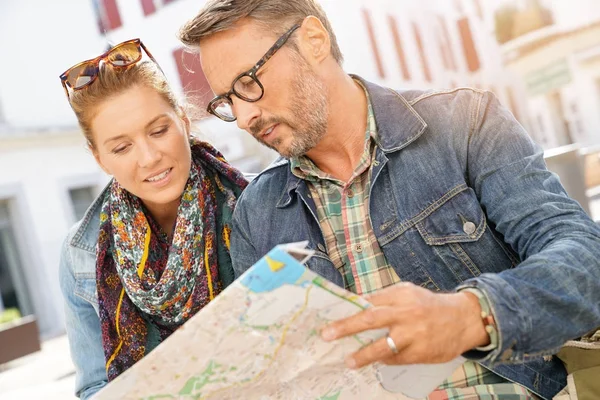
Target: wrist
point(476, 334)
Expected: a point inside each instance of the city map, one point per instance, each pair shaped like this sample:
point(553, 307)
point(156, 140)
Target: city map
point(259, 339)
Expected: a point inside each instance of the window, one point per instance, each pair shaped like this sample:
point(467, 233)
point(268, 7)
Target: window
point(13, 289)
point(107, 14)
point(150, 6)
point(193, 80)
point(468, 44)
point(399, 48)
point(374, 46)
point(422, 55)
point(81, 199)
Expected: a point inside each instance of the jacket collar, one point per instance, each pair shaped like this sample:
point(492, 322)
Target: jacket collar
point(398, 125)
point(86, 235)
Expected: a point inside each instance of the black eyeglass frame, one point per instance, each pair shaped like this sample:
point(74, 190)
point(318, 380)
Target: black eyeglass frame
point(251, 73)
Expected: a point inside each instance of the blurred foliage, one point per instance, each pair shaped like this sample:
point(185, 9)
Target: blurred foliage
point(8, 315)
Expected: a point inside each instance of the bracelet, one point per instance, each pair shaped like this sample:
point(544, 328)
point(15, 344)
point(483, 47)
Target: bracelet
point(487, 317)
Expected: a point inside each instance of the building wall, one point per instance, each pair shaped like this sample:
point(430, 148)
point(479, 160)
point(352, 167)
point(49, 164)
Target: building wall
point(571, 55)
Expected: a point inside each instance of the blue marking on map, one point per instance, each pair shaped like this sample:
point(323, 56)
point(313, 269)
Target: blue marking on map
point(261, 278)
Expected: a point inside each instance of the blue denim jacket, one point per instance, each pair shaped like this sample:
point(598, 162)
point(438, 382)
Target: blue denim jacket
point(445, 159)
point(77, 274)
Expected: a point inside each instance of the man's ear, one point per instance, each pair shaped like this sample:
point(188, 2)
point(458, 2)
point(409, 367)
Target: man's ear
point(314, 42)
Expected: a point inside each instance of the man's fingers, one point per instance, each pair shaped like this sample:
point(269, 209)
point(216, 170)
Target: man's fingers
point(371, 318)
point(389, 295)
point(376, 351)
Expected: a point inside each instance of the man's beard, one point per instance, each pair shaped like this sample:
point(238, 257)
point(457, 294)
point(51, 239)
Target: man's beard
point(309, 109)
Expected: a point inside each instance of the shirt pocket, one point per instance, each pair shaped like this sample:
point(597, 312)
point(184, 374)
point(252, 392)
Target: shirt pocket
point(458, 235)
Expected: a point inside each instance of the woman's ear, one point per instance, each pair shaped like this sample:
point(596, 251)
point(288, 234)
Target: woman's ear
point(98, 160)
point(186, 122)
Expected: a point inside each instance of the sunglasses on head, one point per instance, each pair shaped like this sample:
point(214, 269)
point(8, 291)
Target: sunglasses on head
point(85, 73)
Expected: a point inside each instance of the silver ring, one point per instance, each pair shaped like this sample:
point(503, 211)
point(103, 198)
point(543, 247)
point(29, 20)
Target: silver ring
point(391, 344)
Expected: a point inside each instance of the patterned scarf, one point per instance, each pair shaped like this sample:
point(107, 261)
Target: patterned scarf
point(148, 287)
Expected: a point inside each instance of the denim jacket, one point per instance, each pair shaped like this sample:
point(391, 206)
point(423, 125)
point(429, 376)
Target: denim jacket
point(445, 159)
point(77, 274)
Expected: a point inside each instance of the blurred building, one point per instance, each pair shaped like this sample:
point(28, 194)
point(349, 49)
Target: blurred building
point(559, 63)
point(48, 178)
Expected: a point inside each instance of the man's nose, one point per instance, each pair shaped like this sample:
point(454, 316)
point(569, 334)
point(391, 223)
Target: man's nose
point(245, 112)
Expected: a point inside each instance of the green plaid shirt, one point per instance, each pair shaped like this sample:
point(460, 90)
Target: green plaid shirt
point(343, 213)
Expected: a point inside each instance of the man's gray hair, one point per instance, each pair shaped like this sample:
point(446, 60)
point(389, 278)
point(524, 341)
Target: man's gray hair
point(275, 15)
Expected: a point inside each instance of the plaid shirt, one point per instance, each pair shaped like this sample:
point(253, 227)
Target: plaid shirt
point(343, 213)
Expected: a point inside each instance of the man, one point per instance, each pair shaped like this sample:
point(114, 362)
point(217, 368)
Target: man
point(442, 191)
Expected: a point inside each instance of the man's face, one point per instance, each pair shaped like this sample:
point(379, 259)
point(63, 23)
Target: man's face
point(291, 118)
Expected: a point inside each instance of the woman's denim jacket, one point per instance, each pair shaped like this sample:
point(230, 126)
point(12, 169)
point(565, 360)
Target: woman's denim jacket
point(444, 159)
point(77, 273)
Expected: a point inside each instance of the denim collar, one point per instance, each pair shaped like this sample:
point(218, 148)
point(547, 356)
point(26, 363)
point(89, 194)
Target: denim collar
point(86, 235)
point(398, 125)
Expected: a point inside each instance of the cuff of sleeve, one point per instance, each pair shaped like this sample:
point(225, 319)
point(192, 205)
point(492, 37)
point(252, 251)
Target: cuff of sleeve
point(486, 314)
point(513, 325)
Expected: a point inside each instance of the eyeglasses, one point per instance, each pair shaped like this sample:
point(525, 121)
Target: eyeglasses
point(122, 55)
point(246, 86)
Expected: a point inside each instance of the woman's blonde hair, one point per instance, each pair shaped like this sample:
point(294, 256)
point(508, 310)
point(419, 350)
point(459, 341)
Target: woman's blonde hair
point(112, 81)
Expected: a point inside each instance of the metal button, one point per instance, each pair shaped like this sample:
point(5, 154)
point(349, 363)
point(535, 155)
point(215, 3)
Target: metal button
point(376, 163)
point(469, 228)
point(358, 248)
point(350, 193)
point(321, 247)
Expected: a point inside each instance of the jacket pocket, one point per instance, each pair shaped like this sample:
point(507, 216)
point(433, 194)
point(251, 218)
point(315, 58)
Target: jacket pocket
point(458, 235)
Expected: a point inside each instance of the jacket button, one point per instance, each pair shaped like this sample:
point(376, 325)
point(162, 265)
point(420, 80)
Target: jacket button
point(321, 247)
point(469, 228)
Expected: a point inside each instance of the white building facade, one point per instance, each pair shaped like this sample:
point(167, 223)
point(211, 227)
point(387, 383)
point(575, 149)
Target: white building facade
point(48, 177)
point(560, 68)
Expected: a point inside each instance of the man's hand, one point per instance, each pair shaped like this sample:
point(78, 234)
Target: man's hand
point(427, 327)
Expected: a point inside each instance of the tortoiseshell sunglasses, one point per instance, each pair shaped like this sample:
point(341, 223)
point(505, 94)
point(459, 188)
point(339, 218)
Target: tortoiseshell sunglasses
point(121, 55)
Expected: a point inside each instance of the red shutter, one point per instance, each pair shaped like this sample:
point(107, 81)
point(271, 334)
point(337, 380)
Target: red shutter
point(112, 19)
point(148, 7)
point(193, 80)
point(422, 55)
point(469, 49)
point(399, 49)
point(373, 40)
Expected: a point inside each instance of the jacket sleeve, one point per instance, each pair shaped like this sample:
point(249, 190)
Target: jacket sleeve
point(83, 331)
point(243, 252)
point(553, 295)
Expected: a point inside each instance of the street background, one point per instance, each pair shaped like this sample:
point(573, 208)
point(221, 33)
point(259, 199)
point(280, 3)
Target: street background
point(540, 57)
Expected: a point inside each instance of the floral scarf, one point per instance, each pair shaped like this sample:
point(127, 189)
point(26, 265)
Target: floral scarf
point(148, 287)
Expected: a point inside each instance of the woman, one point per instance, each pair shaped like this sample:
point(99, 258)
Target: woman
point(153, 249)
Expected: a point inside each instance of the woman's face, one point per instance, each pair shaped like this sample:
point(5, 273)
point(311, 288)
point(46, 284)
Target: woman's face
point(144, 144)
